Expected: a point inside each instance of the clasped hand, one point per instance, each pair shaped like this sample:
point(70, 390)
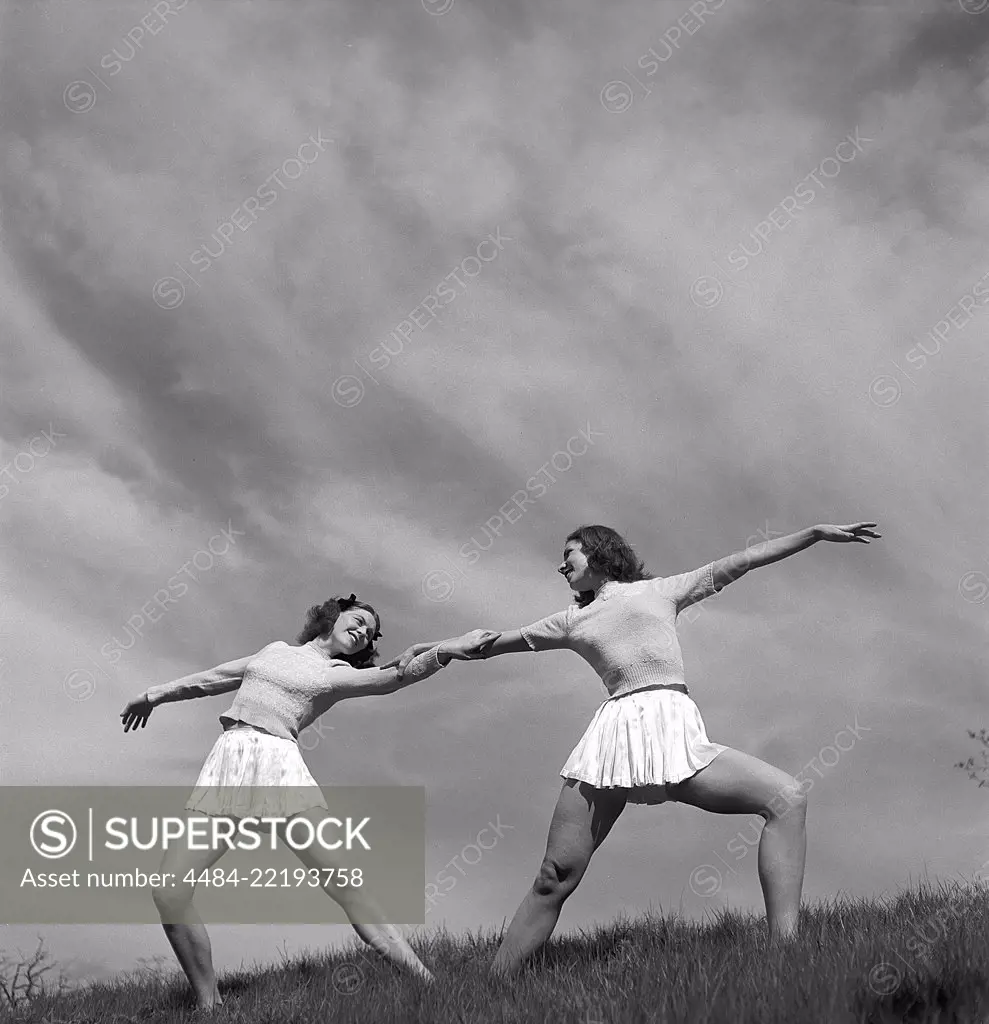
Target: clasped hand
point(469, 647)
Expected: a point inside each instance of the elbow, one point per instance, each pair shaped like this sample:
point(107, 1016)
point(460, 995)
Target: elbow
point(734, 568)
point(723, 579)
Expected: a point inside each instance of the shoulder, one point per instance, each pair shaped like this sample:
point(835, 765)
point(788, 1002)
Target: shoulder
point(310, 653)
point(639, 586)
point(548, 632)
point(688, 587)
point(339, 663)
point(274, 647)
point(324, 662)
point(278, 645)
point(617, 589)
point(558, 618)
point(660, 583)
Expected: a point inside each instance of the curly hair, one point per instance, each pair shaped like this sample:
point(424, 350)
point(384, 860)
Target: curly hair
point(608, 552)
point(320, 619)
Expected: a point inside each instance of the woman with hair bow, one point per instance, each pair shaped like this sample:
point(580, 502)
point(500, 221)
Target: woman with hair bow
point(281, 690)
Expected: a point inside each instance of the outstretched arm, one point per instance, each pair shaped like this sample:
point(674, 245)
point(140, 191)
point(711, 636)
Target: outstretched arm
point(221, 679)
point(727, 570)
point(511, 642)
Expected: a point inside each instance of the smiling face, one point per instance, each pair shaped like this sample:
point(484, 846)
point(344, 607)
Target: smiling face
point(576, 570)
point(353, 630)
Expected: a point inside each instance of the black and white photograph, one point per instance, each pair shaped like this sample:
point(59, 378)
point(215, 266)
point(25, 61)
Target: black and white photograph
point(494, 498)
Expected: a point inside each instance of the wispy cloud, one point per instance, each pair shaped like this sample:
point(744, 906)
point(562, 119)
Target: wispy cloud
point(137, 135)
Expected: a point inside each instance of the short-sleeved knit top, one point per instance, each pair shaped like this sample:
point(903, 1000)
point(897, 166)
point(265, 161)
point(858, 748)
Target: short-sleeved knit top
point(628, 632)
point(286, 688)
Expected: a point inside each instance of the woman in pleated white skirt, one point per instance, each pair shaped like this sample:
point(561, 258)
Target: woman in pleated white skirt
point(250, 773)
point(256, 770)
point(642, 742)
point(647, 743)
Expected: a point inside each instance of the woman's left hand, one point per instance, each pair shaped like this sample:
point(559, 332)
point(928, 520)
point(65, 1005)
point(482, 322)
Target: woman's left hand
point(857, 532)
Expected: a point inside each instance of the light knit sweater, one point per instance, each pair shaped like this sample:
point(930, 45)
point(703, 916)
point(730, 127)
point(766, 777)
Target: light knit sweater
point(282, 689)
point(628, 632)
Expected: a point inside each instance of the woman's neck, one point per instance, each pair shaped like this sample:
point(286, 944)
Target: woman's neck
point(324, 647)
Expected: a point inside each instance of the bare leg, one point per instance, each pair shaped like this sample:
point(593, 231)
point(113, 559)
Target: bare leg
point(737, 783)
point(183, 926)
point(360, 909)
point(582, 819)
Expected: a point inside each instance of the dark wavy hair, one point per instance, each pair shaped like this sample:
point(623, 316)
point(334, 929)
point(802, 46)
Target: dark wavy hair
point(608, 552)
point(320, 619)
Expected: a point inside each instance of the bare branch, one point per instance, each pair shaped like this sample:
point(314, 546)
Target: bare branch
point(24, 977)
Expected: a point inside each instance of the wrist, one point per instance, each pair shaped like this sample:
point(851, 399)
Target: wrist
point(816, 533)
point(152, 697)
point(444, 657)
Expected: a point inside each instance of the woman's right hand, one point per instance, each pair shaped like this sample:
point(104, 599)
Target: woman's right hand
point(137, 712)
point(470, 646)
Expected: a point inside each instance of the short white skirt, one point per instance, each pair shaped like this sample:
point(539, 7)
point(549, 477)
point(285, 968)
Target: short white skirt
point(250, 773)
point(643, 741)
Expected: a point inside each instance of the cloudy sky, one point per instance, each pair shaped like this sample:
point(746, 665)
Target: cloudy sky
point(343, 279)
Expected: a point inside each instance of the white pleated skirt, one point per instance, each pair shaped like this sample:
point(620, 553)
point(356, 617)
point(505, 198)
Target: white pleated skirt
point(250, 773)
point(643, 741)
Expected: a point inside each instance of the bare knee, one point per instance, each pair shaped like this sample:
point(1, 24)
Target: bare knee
point(557, 879)
point(790, 802)
point(172, 903)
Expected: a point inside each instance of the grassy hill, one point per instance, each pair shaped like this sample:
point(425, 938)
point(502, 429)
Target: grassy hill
point(921, 956)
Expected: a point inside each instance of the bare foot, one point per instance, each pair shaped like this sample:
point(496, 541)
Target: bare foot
point(213, 1003)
